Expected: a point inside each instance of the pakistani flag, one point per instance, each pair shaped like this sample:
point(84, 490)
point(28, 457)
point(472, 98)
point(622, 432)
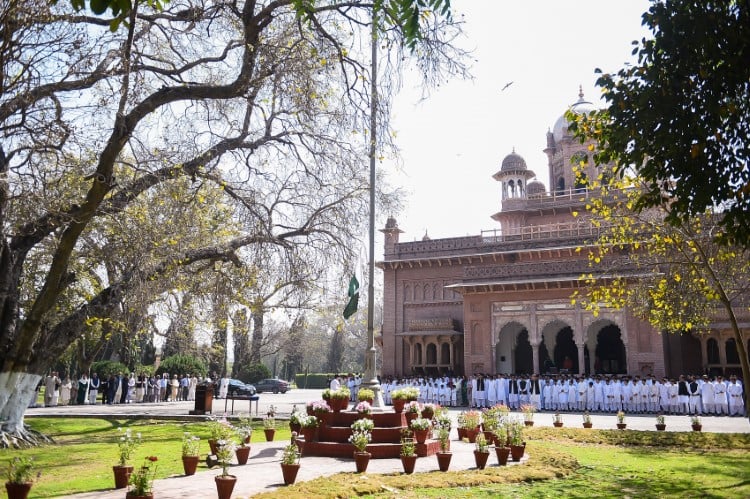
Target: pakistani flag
point(351, 307)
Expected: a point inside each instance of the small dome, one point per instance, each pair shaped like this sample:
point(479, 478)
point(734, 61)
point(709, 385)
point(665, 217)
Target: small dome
point(535, 187)
point(579, 107)
point(425, 237)
point(391, 223)
point(513, 162)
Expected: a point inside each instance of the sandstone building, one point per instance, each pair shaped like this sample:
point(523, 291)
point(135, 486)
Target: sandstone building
point(501, 301)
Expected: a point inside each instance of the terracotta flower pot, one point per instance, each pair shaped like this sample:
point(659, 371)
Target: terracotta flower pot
point(269, 432)
point(18, 490)
point(212, 445)
point(362, 459)
point(471, 434)
point(398, 405)
point(122, 475)
point(290, 473)
point(225, 485)
point(517, 452)
point(557, 424)
point(697, 427)
point(461, 433)
point(132, 495)
point(502, 455)
point(243, 453)
point(411, 416)
point(588, 425)
point(428, 413)
point(190, 464)
point(444, 460)
point(408, 462)
point(310, 434)
point(622, 426)
point(661, 427)
point(528, 423)
point(420, 435)
point(480, 459)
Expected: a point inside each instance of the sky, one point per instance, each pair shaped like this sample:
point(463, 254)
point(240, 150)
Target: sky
point(453, 142)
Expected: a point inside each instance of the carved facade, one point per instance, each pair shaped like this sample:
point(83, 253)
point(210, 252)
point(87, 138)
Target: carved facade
point(501, 301)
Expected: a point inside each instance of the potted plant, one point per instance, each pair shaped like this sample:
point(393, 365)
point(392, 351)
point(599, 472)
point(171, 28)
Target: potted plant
point(398, 397)
point(244, 429)
point(126, 445)
point(695, 423)
point(220, 429)
point(242, 450)
point(320, 409)
point(444, 455)
point(442, 417)
point(481, 451)
point(225, 482)
point(517, 445)
point(295, 420)
point(528, 414)
point(661, 424)
point(470, 422)
point(269, 427)
point(557, 420)
point(421, 428)
point(621, 424)
point(309, 428)
point(363, 408)
point(360, 438)
point(408, 452)
point(587, 423)
point(142, 481)
point(429, 410)
point(365, 395)
point(190, 453)
point(413, 410)
point(490, 422)
point(20, 477)
point(290, 463)
point(363, 424)
point(340, 399)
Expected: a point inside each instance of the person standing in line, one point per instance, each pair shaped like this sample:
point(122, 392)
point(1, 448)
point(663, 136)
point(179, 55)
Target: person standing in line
point(707, 395)
point(192, 387)
point(83, 388)
point(721, 403)
point(185, 386)
point(683, 396)
point(163, 392)
point(734, 391)
point(51, 384)
point(694, 393)
point(65, 391)
point(94, 384)
point(140, 388)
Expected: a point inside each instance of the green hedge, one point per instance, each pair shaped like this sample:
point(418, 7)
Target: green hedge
point(313, 380)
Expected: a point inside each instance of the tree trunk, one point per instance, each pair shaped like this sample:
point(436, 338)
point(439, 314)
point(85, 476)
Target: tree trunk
point(17, 390)
point(241, 342)
point(257, 340)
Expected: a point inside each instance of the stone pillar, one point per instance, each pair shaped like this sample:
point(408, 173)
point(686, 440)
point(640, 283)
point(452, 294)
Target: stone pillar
point(704, 352)
point(581, 358)
point(535, 356)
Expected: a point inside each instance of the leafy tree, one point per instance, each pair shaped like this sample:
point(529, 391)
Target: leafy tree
point(112, 141)
point(675, 276)
point(106, 367)
point(182, 364)
point(681, 115)
point(250, 373)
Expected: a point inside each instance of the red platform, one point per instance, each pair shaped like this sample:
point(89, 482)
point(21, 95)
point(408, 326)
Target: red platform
point(333, 438)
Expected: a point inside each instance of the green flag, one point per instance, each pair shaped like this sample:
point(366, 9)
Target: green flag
point(351, 307)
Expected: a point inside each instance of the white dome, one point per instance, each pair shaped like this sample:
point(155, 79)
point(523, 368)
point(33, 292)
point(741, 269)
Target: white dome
point(580, 107)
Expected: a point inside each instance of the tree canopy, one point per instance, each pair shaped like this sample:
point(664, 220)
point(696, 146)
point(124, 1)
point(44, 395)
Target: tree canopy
point(681, 116)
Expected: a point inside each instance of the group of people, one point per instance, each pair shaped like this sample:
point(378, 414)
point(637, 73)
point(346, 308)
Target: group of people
point(118, 389)
point(702, 395)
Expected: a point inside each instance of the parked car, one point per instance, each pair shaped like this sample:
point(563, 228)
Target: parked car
point(272, 385)
point(238, 388)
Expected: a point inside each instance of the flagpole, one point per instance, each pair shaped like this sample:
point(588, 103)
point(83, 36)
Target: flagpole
point(370, 376)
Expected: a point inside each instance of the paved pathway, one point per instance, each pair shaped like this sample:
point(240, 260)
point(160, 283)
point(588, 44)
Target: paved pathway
point(263, 473)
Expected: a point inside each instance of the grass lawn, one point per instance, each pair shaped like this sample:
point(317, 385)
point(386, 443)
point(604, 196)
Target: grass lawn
point(86, 450)
point(571, 463)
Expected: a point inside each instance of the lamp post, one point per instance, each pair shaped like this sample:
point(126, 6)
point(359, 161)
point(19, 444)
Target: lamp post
point(370, 376)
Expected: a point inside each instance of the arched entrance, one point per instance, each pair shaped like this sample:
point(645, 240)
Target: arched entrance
point(566, 352)
point(610, 351)
point(524, 363)
point(505, 347)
